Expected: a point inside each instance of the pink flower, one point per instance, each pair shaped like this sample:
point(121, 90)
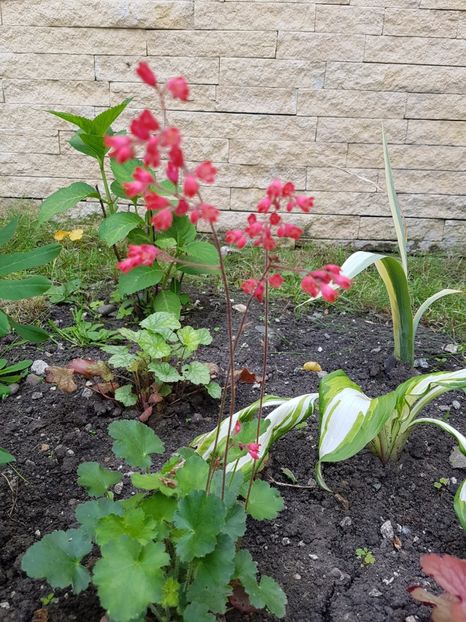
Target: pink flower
point(328, 293)
point(209, 212)
point(172, 172)
point(237, 428)
point(276, 280)
point(190, 186)
point(182, 208)
point(146, 74)
point(304, 203)
point(289, 231)
point(142, 255)
point(275, 219)
point(155, 202)
point(253, 450)
point(142, 126)
point(275, 189)
point(170, 137)
point(309, 285)
point(121, 147)
point(179, 88)
point(255, 288)
point(264, 205)
point(288, 189)
point(152, 155)
point(236, 237)
point(163, 220)
point(176, 156)
point(205, 171)
point(142, 179)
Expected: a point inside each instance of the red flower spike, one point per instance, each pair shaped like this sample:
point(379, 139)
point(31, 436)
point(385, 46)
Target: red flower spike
point(182, 208)
point(236, 237)
point(276, 280)
point(254, 287)
point(275, 219)
point(328, 293)
point(253, 450)
point(309, 285)
point(179, 88)
point(155, 202)
point(152, 155)
point(343, 281)
point(190, 186)
point(163, 220)
point(142, 126)
point(304, 203)
point(172, 172)
point(209, 212)
point(275, 189)
point(170, 137)
point(289, 231)
point(205, 171)
point(288, 189)
point(264, 205)
point(146, 74)
point(142, 255)
point(121, 148)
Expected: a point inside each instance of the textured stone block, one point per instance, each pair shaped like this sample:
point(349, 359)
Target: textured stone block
point(47, 66)
point(443, 4)
point(455, 234)
point(282, 153)
point(423, 106)
point(38, 40)
point(319, 46)
point(409, 157)
point(201, 97)
point(351, 203)
point(334, 103)
point(107, 13)
point(45, 165)
point(433, 206)
point(349, 19)
point(437, 132)
point(271, 73)
point(56, 93)
point(123, 68)
point(259, 176)
point(254, 15)
point(36, 187)
point(395, 77)
point(335, 130)
point(401, 4)
point(333, 179)
point(462, 25)
point(211, 43)
point(417, 23)
point(375, 228)
point(415, 50)
point(256, 99)
point(428, 182)
point(23, 117)
point(37, 141)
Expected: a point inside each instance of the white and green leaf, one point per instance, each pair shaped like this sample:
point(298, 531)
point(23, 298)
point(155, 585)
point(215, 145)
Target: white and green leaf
point(460, 504)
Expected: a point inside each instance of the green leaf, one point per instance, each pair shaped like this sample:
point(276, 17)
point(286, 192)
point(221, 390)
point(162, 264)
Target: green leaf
point(8, 231)
point(182, 230)
point(64, 199)
point(153, 344)
point(16, 262)
point(200, 517)
point(20, 366)
point(95, 479)
point(427, 303)
point(123, 172)
point(82, 122)
point(132, 523)
point(164, 372)
point(211, 585)
point(6, 457)
point(235, 521)
point(169, 302)
point(265, 502)
point(116, 227)
point(4, 324)
point(214, 390)
point(57, 558)
point(397, 215)
point(126, 396)
point(196, 372)
point(140, 278)
point(23, 288)
point(190, 338)
point(154, 481)
point(200, 253)
point(460, 504)
point(134, 442)
point(192, 475)
point(89, 513)
point(89, 144)
point(121, 356)
point(196, 612)
point(104, 120)
point(204, 336)
point(129, 577)
point(266, 594)
point(159, 506)
point(161, 321)
point(34, 334)
point(170, 593)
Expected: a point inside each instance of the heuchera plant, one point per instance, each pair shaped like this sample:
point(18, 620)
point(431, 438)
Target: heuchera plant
point(174, 550)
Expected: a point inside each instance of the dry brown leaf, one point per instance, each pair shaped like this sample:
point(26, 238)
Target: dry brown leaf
point(240, 600)
point(396, 543)
point(146, 414)
point(105, 388)
point(247, 376)
point(40, 615)
point(62, 377)
point(342, 501)
point(214, 369)
point(90, 368)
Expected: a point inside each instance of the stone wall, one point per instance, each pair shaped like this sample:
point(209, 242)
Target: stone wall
point(290, 88)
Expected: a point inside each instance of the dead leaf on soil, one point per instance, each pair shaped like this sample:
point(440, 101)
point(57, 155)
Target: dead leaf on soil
point(90, 368)
point(396, 543)
point(247, 376)
point(240, 308)
point(105, 388)
point(146, 414)
point(240, 600)
point(343, 501)
point(40, 615)
point(214, 369)
point(62, 377)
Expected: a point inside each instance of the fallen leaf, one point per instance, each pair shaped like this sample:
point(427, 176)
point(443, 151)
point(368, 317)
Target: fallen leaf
point(155, 398)
point(76, 234)
point(90, 368)
point(247, 376)
point(62, 377)
point(213, 368)
point(60, 235)
point(105, 388)
point(342, 501)
point(396, 543)
point(240, 600)
point(240, 308)
point(40, 615)
point(312, 366)
point(146, 414)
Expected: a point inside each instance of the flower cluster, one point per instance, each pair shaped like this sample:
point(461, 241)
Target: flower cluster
point(163, 144)
point(142, 255)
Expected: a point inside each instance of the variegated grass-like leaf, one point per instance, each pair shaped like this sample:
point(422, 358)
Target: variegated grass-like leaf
point(460, 504)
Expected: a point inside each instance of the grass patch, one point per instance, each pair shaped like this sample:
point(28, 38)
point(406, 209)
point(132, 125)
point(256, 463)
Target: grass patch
point(90, 260)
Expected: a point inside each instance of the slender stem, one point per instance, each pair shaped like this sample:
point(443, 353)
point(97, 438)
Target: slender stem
point(108, 194)
point(102, 207)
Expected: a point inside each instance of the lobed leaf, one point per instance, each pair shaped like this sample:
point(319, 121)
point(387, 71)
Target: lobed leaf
point(265, 502)
point(95, 479)
point(64, 199)
point(134, 442)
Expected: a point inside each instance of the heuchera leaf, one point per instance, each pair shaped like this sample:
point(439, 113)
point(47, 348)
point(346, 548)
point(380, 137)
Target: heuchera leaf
point(62, 377)
point(164, 372)
point(161, 320)
point(170, 593)
point(134, 442)
point(89, 513)
point(95, 479)
point(265, 502)
point(211, 585)
point(129, 577)
point(132, 523)
point(200, 517)
point(197, 373)
point(64, 199)
point(196, 612)
point(125, 395)
point(57, 558)
point(192, 475)
point(167, 301)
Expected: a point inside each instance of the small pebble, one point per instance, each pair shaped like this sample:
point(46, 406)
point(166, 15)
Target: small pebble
point(456, 405)
point(37, 533)
point(33, 379)
point(14, 388)
point(5, 604)
point(87, 393)
point(297, 576)
point(451, 347)
point(197, 417)
point(375, 593)
point(412, 619)
point(118, 488)
point(36, 395)
point(70, 452)
point(346, 522)
point(313, 556)
point(286, 541)
point(44, 447)
point(39, 367)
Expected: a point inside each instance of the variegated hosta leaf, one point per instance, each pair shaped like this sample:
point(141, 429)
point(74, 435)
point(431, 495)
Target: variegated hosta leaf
point(460, 504)
point(349, 420)
point(288, 414)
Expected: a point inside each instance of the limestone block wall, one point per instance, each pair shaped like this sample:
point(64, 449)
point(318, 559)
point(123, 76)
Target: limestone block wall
point(296, 89)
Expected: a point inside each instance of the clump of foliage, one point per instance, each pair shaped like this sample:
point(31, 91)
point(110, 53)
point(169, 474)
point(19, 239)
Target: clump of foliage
point(11, 374)
point(161, 360)
point(172, 549)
